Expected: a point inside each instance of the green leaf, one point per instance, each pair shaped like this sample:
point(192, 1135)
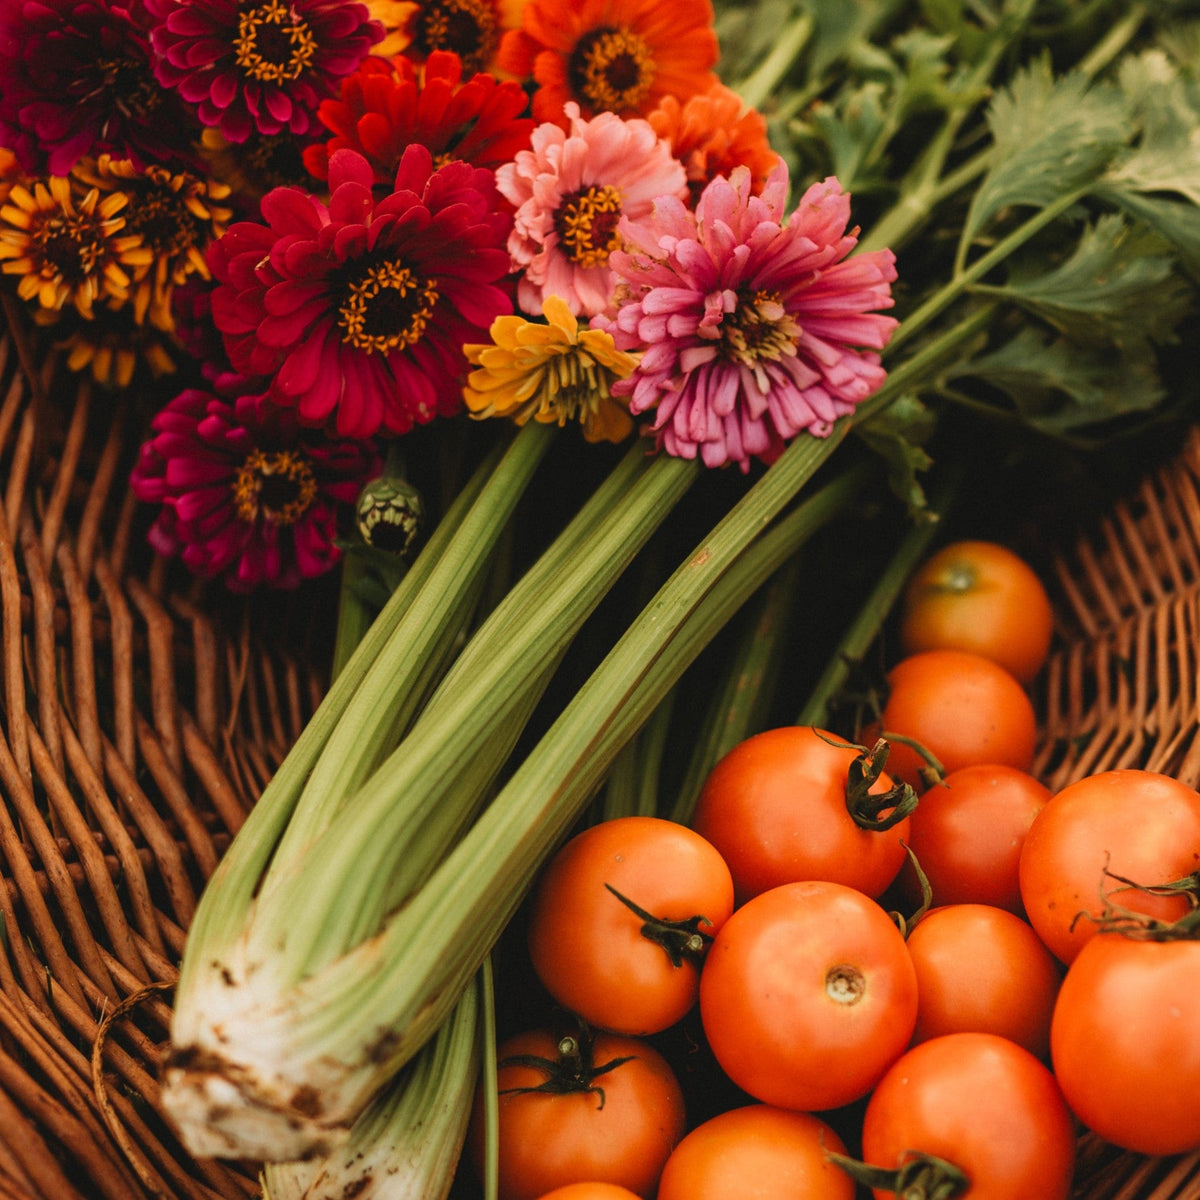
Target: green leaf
point(1051, 137)
point(898, 435)
point(1177, 221)
point(1118, 286)
point(1061, 388)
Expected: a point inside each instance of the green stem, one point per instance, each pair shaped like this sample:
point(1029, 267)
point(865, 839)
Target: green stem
point(946, 295)
point(864, 630)
point(758, 88)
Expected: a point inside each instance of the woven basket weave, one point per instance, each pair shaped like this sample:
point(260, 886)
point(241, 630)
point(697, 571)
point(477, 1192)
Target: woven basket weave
point(138, 729)
point(140, 723)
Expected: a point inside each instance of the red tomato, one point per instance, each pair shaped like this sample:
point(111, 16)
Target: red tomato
point(807, 995)
point(1141, 825)
point(982, 598)
point(592, 951)
point(776, 808)
point(590, 1191)
point(1125, 1042)
point(981, 1103)
point(619, 1129)
point(967, 834)
point(757, 1151)
point(961, 707)
point(983, 969)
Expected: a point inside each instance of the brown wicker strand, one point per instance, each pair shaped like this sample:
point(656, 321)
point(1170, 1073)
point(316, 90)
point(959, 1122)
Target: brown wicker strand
point(13, 651)
point(38, 1163)
point(87, 531)
point(45, 653)
point(121, 636)
point(68, 465)
point(164, 702)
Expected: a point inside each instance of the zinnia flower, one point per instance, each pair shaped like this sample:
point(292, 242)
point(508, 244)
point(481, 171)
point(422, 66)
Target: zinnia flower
point(69, 246)
point(712, 133)
point(113, 347)
point(394, 16)
point(250, 169)
point(619, 56)
point(472, 29)
point(358, 308)
point(176, 214)
point(246, 494)
point(78, 79)
point(385, 107)
point(754, 330)
point(570, 190)
point(553, 372)
point(260, 65)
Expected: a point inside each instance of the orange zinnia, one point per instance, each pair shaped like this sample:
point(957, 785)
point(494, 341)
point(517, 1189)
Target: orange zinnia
point(712, 133)
point(619, 56)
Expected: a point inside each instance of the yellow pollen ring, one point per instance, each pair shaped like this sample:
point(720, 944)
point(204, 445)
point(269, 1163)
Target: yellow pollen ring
point(356, 308)
point(253, 23)
point(284, 465)
point(577, 222)
point(604, 87)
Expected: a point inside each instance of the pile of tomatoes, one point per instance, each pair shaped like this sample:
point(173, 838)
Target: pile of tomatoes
point(898, 965)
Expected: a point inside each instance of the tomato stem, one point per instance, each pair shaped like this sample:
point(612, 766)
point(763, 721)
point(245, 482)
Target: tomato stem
point(919, 1177)
point(572, 1071)
point(680, 939)
point(1116, 918)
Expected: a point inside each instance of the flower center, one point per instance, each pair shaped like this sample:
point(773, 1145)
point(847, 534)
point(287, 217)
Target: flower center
point(611, 69)
point(587, 225)
point(163, 220)
point(387, 308)
point(126, 84)
point(758, 329)
point(278, 487)
point(272, 43)
point(73, 244)
point(467, 27)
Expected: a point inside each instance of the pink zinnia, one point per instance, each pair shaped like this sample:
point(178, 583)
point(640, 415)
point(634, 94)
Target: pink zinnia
point(359, 308)
point(571, 188)
point(246, 495)
point(753, 330)
point(260, 65)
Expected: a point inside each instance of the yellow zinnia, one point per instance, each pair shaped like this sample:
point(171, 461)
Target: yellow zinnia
point(554, 372)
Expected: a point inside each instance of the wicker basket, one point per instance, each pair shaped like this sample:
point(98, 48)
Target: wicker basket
point(140, 723)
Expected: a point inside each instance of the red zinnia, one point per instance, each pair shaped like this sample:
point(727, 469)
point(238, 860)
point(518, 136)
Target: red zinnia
point(246, 494)
point(259, 64)
point(385, 107)
point(359, 309)
point(77, 80)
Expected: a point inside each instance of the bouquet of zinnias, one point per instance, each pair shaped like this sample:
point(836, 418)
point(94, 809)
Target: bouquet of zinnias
point(323, 229)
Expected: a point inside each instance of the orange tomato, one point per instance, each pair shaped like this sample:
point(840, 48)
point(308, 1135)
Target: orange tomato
point(967, 834)
point(963, 708)
point(590, 1191)
point(984, 970)
point(757, 1150)
point(979, 597)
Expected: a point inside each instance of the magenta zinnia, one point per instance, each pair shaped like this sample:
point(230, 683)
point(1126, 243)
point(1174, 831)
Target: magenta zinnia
point(359, 308)
point(77, 79)
point(570, 189)
point(384, 107)
point(260, 65)
point(246, 495)
point(754, 330)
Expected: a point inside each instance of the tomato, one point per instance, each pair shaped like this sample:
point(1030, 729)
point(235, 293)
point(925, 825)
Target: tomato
point(619, 1127)
point(979, 597)
point(590, 1191)
point(1125, 1042)
point(967, 834)
point(961, 707)
point(782, 1152)
point(776, 808)
point(1139, 824)
point(591, 950)
point(981, 1103)
point(983, 969)
point(807, 995)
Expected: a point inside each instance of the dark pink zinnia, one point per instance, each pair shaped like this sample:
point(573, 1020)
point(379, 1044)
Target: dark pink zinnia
point(260, 65)
point(359, 308)
point(385, 107)
point(753, 330)
point(77, 80)
point(246, 494)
